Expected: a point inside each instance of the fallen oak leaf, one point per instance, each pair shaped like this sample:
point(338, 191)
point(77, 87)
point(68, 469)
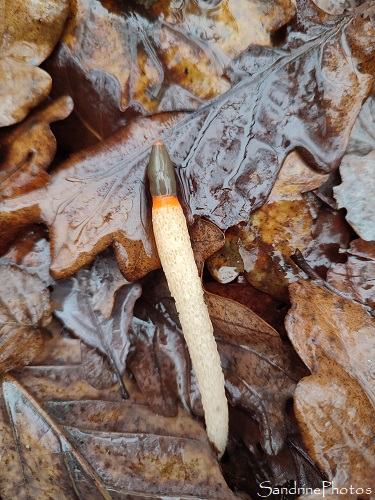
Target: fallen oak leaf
point(239, 131)
point(31, 30)
point(28, 149)
point(24, 309)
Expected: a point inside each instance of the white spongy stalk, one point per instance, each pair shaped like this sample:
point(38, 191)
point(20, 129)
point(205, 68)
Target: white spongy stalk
point(177, 258)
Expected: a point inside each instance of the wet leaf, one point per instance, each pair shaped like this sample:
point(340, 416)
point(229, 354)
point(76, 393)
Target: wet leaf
point(260, 371)
point(38, 461)
point(323, 324)
point(337, 424)
point(331, 237)
point(269, 309)
point(206, 239)
point(277, 229)
point(31, 251)
point(24, 309)
point(355, 193)
point(133, 450)
point(167, 58)
point(28, 149)
point(137, 451)
point(228, 153)
point(356, 276)
point(335, 405)
point(76, 302)
point(31, 30)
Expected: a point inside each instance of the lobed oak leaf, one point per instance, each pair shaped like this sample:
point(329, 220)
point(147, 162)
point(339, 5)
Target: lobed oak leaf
point(24, 309)
point(166, 58)
point(228, 153)
point(31, 30)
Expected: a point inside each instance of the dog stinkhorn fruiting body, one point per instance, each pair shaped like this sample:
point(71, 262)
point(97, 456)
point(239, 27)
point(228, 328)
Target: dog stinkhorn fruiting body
point(177, 258)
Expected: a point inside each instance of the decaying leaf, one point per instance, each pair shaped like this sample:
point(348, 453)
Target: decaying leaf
point(331, 236)
point(206, 239)
point(37, 459)
point(260, 371)
point(355, 193)
point(167, 58)
point(76, 304)
point(29, 32)
point(228, 152)
point(278, 228)
point(24, 308)
point(130, 450)
point(334, 406)
point(31, 251)
point(356, 276)
point(337, 425)
point(320, 320)
point(28, 149)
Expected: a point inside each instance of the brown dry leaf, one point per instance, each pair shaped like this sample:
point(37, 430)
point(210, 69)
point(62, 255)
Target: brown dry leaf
point(337, 425)
point(228, 153)
point(24, 309)
point(356, 276)
point(29, 32)
point(323, 322)
point(167, 58)
point(28, 149)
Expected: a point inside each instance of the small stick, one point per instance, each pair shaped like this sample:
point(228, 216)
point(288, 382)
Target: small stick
point(177, 258)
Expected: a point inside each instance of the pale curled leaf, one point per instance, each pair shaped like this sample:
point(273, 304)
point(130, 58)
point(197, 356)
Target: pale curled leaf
point(24, 308)
point(32, 29)
point(356, 191)
point(356, 276)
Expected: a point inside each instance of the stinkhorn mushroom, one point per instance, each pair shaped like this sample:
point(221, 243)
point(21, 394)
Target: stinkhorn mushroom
point(177, 259)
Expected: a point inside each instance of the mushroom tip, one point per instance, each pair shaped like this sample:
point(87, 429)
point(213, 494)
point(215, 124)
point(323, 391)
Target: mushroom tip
point(160, 171)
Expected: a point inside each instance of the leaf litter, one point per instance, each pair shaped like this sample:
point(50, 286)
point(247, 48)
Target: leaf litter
point(166, 453)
